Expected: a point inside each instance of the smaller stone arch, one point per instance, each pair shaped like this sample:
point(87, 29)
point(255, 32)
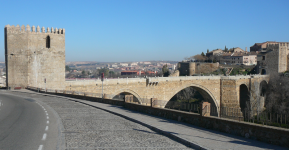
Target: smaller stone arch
point(263, 87)
point(136, 95)
point(262, 93)
point(263, 72)
point(244, 97)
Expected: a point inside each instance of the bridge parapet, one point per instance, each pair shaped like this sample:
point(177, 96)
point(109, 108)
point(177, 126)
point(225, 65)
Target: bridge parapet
point(106, 81)
point(161, 79)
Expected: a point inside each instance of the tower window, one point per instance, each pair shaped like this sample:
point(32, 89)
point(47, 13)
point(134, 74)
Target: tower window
point(48, 41)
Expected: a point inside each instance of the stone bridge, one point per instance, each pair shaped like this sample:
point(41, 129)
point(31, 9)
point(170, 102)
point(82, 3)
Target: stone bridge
point(220, 91)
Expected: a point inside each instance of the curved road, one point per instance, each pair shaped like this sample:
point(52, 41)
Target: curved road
point(26, 124)
point(72, 125)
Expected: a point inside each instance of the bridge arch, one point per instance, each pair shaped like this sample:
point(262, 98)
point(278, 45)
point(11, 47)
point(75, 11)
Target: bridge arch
point(130, 92)
point(263, 72)
point(263, 87)
point(206, 93)
point(244, 99)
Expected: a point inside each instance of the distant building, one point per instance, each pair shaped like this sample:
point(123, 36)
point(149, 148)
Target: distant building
point(239, 58)
point(214, 52)
point(236, 50)
point(132, 73)
point(133, 64)
point(147, 63)
point(261, 46)
point(150, 72)
point(123, 64)
point(273, 57)
point(191, 68)
point(114, 66)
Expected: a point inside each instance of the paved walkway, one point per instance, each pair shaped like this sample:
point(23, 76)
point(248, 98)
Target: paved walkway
point(199, 138)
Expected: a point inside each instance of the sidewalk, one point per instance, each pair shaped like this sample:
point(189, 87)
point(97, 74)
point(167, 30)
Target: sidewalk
point(199, 138)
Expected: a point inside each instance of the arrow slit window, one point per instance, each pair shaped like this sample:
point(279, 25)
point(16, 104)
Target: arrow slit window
point(48, 41)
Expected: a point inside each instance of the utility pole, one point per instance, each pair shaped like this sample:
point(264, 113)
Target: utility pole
point(102, 77)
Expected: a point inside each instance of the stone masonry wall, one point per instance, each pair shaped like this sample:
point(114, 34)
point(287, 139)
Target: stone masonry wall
point(165, 88)
point(191, 68)
point(28, 60)
point(219, 91)
point(283, 52)
point(16, 53)
point(229, 93)
point(288, 62)
point(272, 62)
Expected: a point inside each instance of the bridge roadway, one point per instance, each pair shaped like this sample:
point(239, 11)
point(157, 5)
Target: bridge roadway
point(23, 124)
point(87, 127)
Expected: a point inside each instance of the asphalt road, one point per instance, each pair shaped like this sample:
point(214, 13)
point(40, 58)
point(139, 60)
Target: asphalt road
point(87, 128)
point(26, 124)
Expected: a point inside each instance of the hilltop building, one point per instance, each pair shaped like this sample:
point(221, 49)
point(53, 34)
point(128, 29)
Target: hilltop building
point(236, 50)
point(273, 57)
point(239, 58)
point(214, 52)
point(261, 46)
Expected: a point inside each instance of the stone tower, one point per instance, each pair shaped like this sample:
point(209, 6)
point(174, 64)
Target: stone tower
point(31, 56)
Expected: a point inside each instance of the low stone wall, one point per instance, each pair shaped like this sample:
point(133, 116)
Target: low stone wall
point(272, 135)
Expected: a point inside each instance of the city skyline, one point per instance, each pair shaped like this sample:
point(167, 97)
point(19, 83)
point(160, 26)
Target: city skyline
point(127, 31)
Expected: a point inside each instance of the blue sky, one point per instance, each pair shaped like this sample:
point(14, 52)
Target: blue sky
point(140, 30)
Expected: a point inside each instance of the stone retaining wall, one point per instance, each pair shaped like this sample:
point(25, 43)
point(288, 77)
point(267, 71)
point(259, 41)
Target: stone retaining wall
point(272, 135)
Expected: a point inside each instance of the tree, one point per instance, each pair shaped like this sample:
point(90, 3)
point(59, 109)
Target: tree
point(200, 58)
point(165, 71)
point(111, 73)
point(277, 94)
point(189, 58)
point(203, 54)
point(208, 51)
point(83, 72)
point(67, 68)
point(103, 70)
point(226, 49)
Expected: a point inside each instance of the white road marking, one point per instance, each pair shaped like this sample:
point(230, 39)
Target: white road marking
point(47, 122)
point(46, 114)
point(47, 117)
point(44, 136)
point(40, 147)
point(46, 128)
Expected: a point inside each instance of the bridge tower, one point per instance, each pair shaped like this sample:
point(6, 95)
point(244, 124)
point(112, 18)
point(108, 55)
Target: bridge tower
point(31, 56)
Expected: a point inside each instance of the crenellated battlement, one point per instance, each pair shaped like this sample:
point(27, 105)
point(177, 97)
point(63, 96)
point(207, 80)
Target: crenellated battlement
point(23, 29)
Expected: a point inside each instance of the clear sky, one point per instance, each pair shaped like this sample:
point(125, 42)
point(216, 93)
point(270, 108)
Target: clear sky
point(140, 30)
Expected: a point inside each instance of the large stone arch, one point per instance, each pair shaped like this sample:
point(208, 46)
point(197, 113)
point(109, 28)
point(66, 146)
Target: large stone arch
point(206, 93)
point(131, 92)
